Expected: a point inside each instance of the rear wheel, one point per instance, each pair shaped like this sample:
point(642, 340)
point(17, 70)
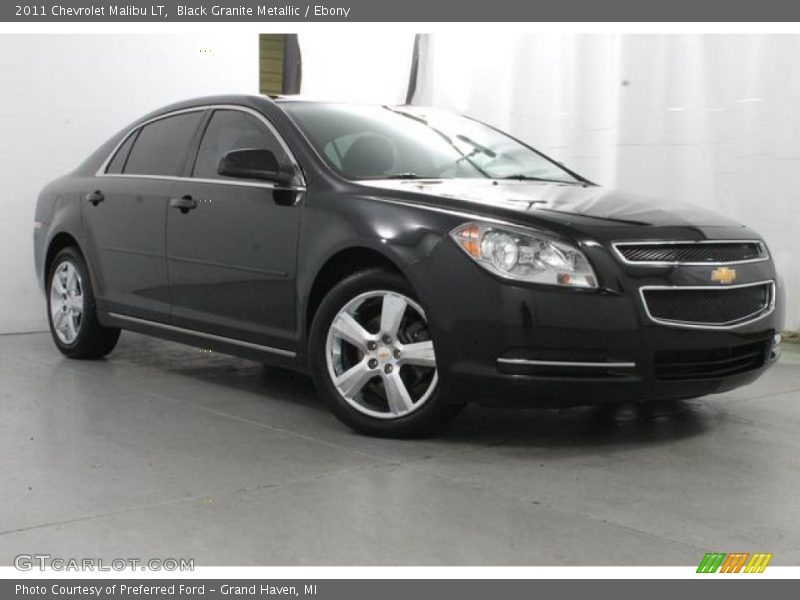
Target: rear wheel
point(373, 358)
point(71, 309)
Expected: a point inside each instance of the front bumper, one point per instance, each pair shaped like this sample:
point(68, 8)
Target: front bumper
point(502, 343)
point(539, 385)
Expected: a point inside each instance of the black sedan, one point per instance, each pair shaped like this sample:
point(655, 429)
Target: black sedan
point(410, 259)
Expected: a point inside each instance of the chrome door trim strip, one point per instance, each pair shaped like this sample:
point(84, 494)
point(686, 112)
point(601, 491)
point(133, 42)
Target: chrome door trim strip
point(101, 172)
point(567, 363)
point(746, 320)
point(668, 263)
point(209, 336)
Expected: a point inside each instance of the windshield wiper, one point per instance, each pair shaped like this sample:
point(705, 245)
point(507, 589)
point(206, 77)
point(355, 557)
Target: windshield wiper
point(404, 176)
point(476, 147)
point(446, 138)
point(523, 177)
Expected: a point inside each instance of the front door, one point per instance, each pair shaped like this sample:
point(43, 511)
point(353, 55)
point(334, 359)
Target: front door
point(232, 243)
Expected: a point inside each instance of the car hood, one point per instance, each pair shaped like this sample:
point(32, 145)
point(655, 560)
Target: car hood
point(542, 197)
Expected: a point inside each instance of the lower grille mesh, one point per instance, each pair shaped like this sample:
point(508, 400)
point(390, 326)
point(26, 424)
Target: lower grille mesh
point(715, 306)
point(718, 362)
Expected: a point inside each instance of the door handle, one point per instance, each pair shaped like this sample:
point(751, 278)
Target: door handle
point(183, 204)
point(95, 197)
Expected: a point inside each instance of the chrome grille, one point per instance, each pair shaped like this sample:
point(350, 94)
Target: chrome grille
point(708, 306)
point(698, 253)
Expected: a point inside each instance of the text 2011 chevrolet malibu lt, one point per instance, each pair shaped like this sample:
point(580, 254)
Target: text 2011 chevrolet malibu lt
point(410, 259)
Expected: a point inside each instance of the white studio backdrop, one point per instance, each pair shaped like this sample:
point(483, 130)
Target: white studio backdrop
point(370, 67)
point(706, 119)
point(61, 96)
point(712, 120)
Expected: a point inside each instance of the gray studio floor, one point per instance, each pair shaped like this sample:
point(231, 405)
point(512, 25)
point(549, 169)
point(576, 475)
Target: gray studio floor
point(163, 451)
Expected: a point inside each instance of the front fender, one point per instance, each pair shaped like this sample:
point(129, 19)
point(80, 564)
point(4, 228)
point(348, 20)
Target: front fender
point(402, 234)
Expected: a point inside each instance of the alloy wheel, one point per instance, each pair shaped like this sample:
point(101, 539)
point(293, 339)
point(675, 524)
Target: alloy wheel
point(66, 302)
point(380, 356)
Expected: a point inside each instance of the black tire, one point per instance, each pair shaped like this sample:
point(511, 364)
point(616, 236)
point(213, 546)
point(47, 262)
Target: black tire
point(93, 340)
point(433, 413)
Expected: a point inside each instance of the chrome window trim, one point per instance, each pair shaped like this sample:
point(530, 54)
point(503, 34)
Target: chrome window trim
point(567, 363)
point(209, 336)
point(746, 320)
point(101, 172)
point(265, 185)
point(616, 245)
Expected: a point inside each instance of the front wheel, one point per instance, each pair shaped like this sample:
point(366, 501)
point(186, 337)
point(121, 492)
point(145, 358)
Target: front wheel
point(373, 358)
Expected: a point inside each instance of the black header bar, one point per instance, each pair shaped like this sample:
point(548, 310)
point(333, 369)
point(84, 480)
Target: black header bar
point(400, 11)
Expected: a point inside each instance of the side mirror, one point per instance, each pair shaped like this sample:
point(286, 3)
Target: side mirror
point(255, 163)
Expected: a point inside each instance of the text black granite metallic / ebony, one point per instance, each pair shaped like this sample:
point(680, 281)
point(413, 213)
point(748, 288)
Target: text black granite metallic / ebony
point(410, 259)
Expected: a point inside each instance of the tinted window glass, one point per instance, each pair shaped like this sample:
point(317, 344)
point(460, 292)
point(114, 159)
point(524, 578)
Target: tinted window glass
point(118, 162)
point(233, 130)
point(161, 146)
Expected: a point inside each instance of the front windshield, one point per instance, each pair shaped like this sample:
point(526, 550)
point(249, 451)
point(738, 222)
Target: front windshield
point(374, 142)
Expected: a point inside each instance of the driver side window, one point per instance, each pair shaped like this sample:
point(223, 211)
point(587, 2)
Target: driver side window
point(233, 130)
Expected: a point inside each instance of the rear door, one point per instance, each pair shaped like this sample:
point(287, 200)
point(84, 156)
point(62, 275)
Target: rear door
point(125, 217)
point(232, 256)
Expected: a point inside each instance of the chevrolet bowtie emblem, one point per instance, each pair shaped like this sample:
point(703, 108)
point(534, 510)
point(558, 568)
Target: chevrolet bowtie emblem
point(723, 275)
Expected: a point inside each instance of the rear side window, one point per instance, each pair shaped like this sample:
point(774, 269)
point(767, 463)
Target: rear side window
point(118, 162)
point(161, 146)
point(233, 130)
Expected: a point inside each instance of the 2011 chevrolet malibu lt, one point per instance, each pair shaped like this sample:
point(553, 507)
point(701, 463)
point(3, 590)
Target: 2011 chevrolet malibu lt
point(412, 260)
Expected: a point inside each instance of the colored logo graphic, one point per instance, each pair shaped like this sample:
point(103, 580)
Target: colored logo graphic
point(723, 275)
point(736, 562)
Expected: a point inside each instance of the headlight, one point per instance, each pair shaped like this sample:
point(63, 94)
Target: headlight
point(524, 255)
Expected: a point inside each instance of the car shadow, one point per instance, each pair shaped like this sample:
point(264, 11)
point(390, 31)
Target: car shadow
point(623, 424)
point(584, 426)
